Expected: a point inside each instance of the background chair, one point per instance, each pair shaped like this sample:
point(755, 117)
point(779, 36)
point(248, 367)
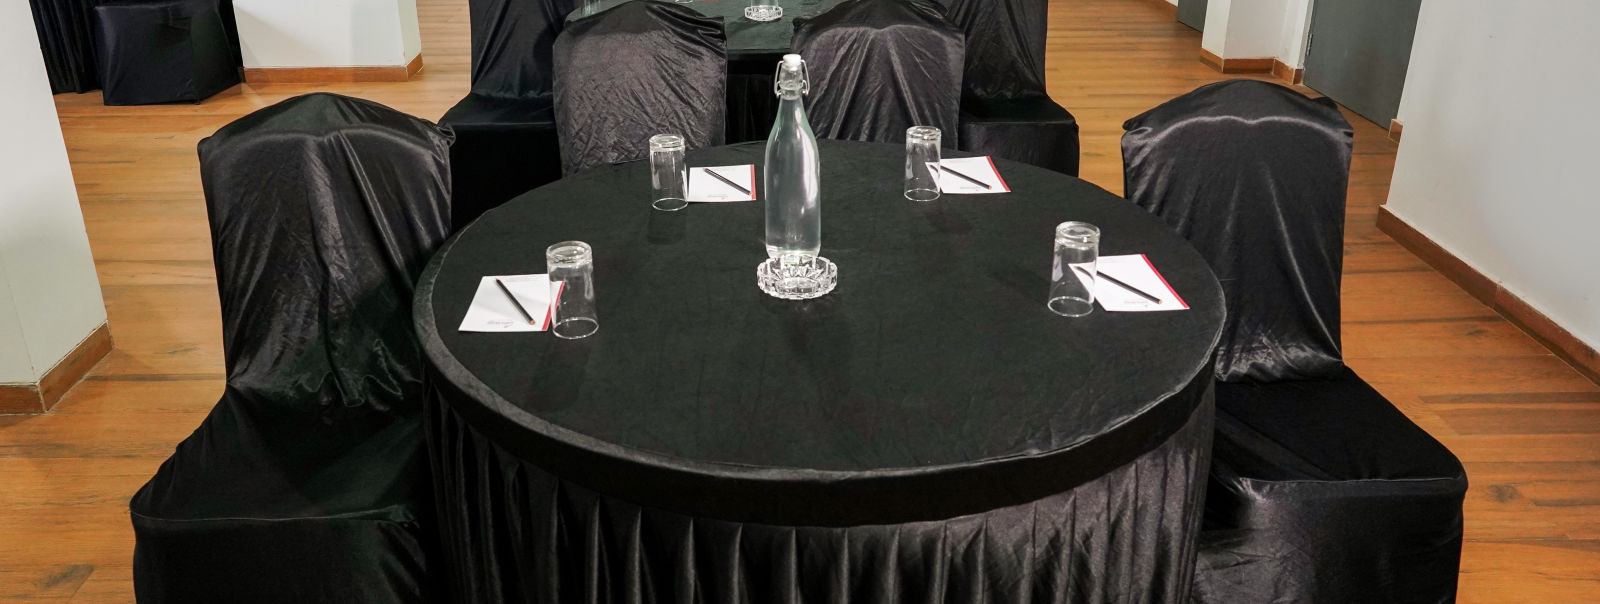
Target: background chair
point(308, 481)
point(1320, 490)
point(879, 67)
point(1005, 111)
point(164, 51)
point(505, 127)
point(634, 71)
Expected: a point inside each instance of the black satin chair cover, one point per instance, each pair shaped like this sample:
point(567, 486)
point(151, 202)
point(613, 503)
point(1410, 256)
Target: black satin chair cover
point(1320, 490)
point(505, 127)
point(1005, 111)
point(879, 67)
point(308, 481)
point(633, 71)
point(163, 51)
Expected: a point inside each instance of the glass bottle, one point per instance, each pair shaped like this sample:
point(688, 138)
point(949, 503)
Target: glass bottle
point(793, 185)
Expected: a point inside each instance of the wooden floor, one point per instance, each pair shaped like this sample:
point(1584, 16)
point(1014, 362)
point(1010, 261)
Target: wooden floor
point(1526, 425)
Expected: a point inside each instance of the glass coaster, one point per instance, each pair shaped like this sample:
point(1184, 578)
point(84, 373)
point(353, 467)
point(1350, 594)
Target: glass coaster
point(763, 12)
point(797, 281)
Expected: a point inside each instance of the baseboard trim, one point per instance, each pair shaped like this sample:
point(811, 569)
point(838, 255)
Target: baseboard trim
point(1395, 128)
point(1291, 75)
point(1166, 6)
point(1235, 65)
point(322, 75)
point(41, 397)
point(1552, 336)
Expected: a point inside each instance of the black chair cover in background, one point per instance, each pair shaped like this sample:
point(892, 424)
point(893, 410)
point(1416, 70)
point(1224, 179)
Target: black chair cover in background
point(879, 67)
point(308, 482)
point(1321, 491)
point(505, 127)
point(1005, 111)
point(163, 51)
point(634, 71)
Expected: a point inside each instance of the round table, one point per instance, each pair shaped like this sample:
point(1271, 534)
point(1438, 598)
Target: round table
point(928, 432)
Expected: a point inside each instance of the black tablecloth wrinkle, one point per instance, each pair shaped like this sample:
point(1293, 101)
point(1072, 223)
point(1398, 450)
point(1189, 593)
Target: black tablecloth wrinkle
point(1320, 490)
point(928, 432)
point(634, 71)
point(308, 482)
point(879, 67)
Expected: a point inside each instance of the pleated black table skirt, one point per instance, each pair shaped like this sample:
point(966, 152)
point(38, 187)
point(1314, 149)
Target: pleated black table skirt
point(520, 534)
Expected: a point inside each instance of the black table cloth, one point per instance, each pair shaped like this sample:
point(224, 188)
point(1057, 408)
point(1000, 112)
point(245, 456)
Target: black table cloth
point(928, 432)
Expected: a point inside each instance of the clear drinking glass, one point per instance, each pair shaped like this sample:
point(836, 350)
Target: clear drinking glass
point(922, 148)
point(571, 265)
point(1073, 274)
point(669, 175)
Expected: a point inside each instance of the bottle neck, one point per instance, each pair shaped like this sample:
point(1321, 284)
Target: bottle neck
point(792, 105)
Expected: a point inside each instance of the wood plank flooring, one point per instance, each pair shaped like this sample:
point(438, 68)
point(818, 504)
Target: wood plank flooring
point(1526, 425)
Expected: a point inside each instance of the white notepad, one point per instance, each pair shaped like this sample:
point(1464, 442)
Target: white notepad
point(1136, 271)
point(704, 187)
point(492, 311)
point(980, 169)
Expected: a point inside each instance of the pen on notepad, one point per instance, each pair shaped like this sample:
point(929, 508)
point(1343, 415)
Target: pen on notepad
point(1119, 283)
point(965, 177)
point(514, 301)
point(725, 179)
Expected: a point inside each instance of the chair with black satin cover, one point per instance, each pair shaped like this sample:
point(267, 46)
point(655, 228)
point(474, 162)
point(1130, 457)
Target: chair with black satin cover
point(633, 71)
point(878, 67)
point(505, 127)
point(1005, 111)
point(163, 51)
point(308, 481)
point(1320, 490)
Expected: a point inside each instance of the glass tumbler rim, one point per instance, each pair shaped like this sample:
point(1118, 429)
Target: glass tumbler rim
point(666, 142)
point(569, 254)
point(1074, 231)
point(923, 133)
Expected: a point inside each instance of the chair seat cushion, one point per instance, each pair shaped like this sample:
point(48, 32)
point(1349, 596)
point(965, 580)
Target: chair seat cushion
point(1322, 491)
point(237, 502)
point(1031, 129)
point(504, 147)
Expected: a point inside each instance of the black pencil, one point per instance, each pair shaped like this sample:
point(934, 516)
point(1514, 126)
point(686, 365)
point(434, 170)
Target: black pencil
point(514, 301)
point(725, 179)
point(966, 178)
point(1119, 283)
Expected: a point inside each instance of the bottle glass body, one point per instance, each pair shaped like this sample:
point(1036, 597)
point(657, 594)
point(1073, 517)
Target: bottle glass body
point(792, 178)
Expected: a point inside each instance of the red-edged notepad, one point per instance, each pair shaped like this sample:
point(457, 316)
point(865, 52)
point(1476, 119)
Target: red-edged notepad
point(1132, 284)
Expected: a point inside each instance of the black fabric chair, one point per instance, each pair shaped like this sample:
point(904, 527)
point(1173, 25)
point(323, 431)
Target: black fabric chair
point(1005, 111)
point(634, 71)
point(878, 67)
point(163, 51)
point(1320, 490)
point(505, 127)
point(308, 481)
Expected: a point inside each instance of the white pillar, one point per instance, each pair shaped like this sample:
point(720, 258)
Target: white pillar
point(49, 292)
point(327, 33)
point(1258, 29)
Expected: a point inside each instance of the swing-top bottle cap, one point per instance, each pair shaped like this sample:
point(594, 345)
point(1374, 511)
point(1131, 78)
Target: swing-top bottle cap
point(791, 60)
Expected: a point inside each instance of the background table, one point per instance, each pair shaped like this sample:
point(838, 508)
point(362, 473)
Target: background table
point(927, 432)
point(754, 49)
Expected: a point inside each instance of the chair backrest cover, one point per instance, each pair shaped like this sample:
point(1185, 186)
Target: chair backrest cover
point(1254, 175)
point(511, 45)
point(1005, 45)
point(878, 67)
point(324, 210)
point(633, 71)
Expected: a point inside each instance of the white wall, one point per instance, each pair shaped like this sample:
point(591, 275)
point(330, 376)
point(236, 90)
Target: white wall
point(1499, 157)
point(49, 293)
point(1258, 29)
point(327, 33)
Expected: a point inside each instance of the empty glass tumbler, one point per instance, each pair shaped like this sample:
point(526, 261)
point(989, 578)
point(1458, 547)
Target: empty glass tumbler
point(1073, 274)
point(571, 268)
point(669, 175)
point(922, 148)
